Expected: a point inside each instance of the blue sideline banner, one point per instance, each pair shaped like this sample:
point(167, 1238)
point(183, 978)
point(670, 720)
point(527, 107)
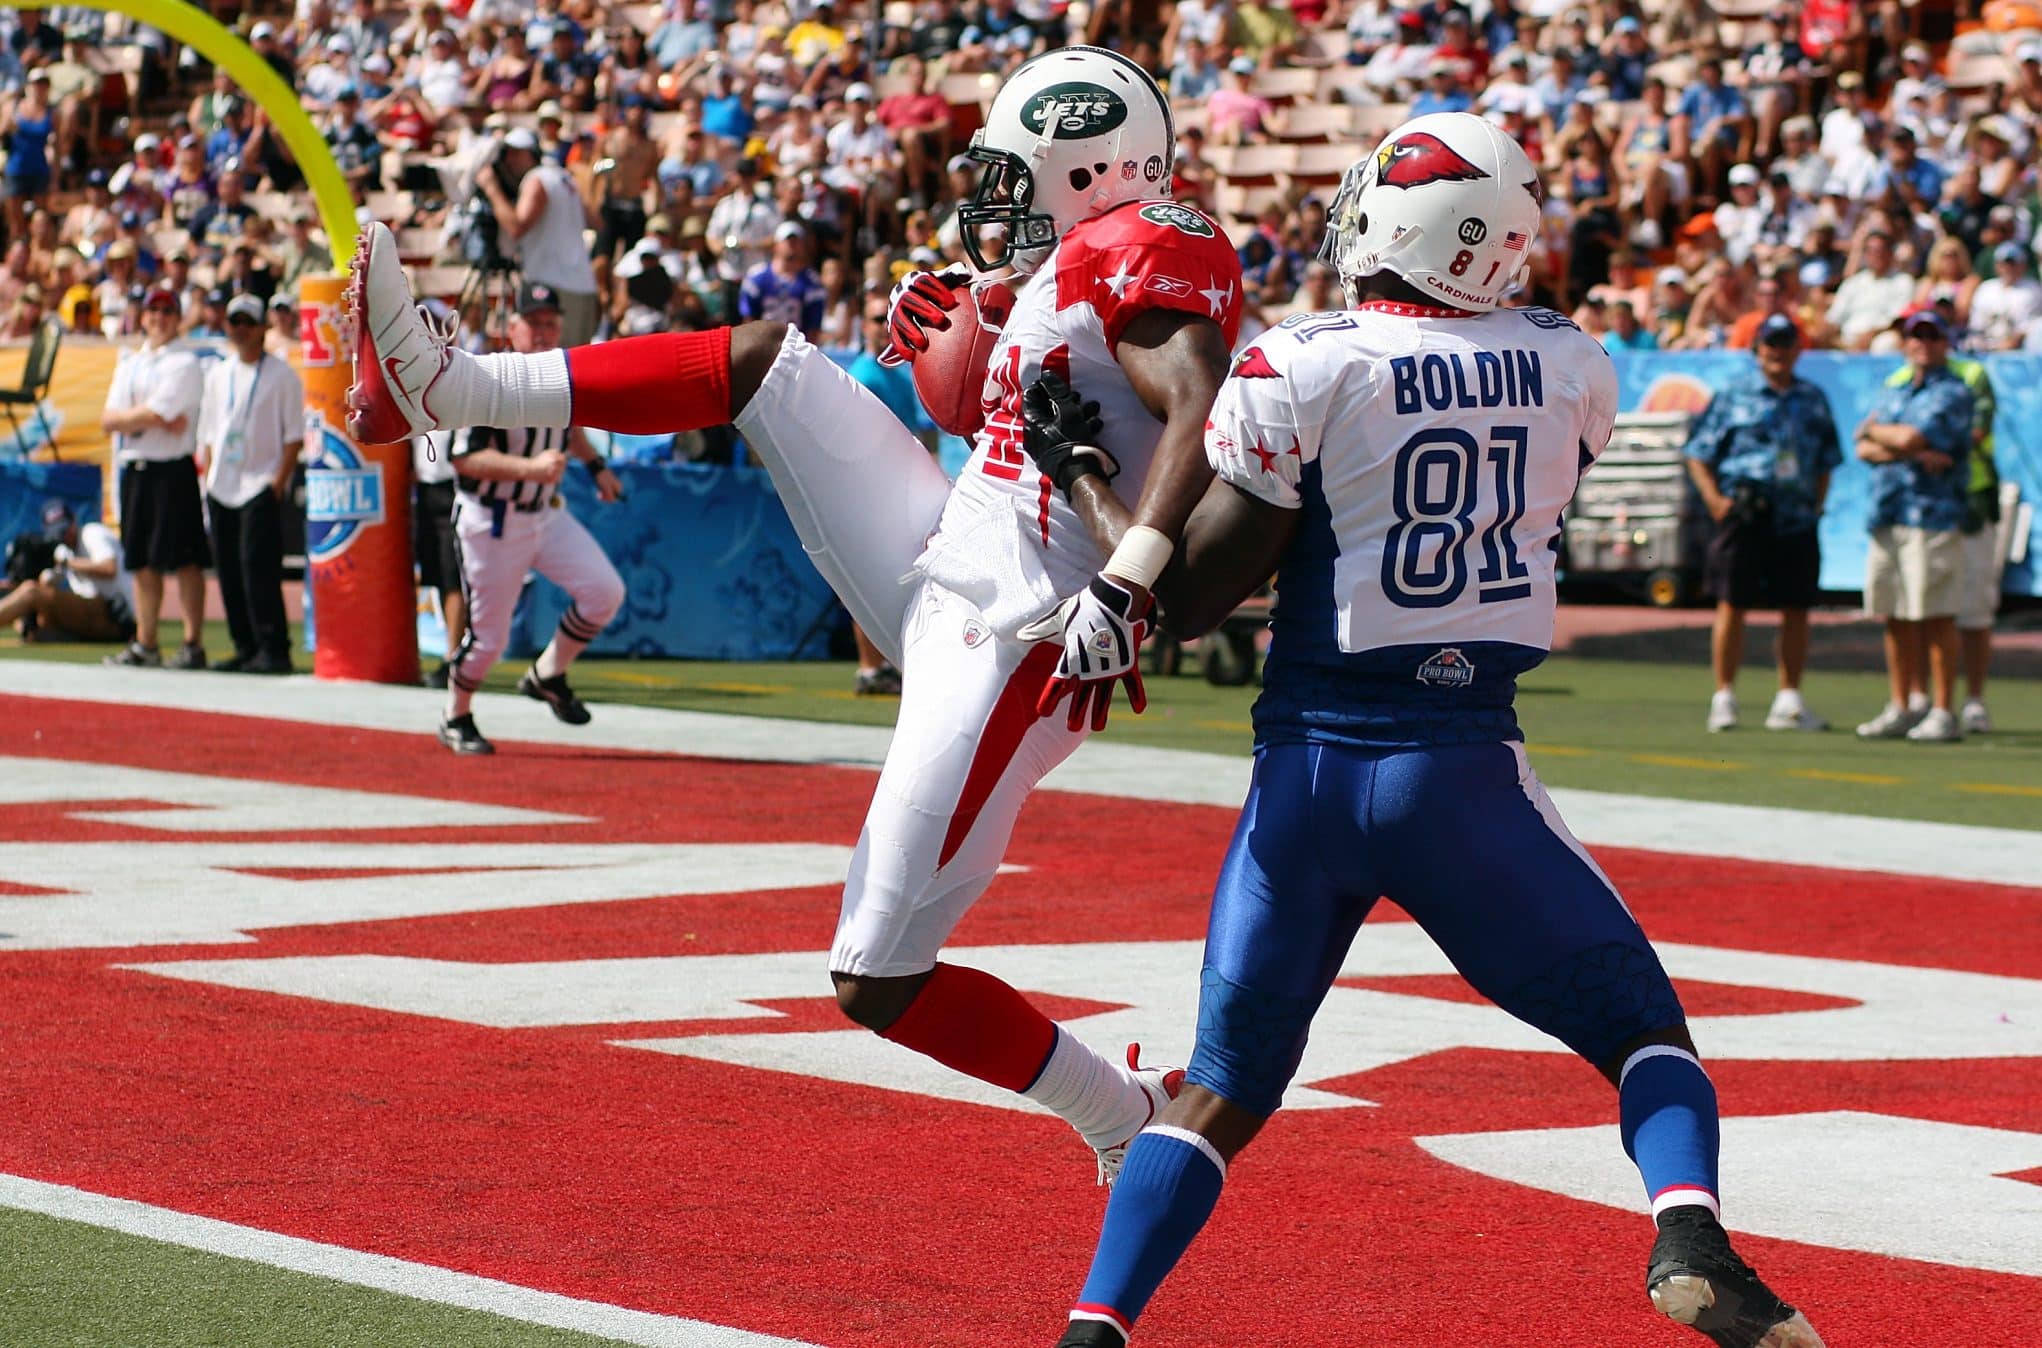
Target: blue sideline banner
point(711, 567)
point(1683, 381)
point(25, 486)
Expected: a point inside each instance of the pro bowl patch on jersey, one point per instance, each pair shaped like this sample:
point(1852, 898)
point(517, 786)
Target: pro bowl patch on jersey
point(343, 493)
point(1082, 111)
point(1180, 218)
point(1420, 158)
point(1447, 668)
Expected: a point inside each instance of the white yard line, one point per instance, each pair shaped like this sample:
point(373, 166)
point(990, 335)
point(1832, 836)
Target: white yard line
point(1599, 818)
point(422, 1282)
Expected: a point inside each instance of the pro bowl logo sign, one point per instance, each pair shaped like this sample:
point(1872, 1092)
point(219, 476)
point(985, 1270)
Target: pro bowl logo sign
point(343, 492)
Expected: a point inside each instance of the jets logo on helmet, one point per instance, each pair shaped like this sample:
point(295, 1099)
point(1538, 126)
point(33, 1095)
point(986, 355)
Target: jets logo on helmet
point(1447, 229)
point(1418, 158)
point(1056, 147)
point(1080, 111)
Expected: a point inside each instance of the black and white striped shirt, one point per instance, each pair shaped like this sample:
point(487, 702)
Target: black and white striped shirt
point(524, 443)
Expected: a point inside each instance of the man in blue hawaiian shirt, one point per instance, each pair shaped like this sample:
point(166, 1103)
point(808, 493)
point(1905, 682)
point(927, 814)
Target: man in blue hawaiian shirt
point(1918, 440)
point(1761, 455)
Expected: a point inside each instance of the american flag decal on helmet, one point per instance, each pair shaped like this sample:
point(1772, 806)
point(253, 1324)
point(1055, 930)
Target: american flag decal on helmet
point(1513, 240)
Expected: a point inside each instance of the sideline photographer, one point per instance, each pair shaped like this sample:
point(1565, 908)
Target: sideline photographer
point(546, 221)
point(1761, 455)
point(72, 587)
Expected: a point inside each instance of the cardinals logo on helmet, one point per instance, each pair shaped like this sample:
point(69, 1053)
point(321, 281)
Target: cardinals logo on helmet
point(1422, 157)
point(1254, 365)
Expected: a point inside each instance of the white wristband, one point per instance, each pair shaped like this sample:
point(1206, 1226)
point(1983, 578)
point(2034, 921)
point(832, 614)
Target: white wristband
point(1141, 556)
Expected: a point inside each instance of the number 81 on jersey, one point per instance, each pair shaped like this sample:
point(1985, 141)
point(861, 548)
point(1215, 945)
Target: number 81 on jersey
point(1441, 474)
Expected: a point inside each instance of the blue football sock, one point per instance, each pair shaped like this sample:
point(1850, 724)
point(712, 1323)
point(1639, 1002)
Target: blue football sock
point(1668, 1110)
point(1166, 1190)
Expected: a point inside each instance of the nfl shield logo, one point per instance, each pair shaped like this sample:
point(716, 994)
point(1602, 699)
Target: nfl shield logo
point(1447, 668)
point(975, 632)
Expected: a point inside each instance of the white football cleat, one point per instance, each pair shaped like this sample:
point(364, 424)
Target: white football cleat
point(1938, 727)
point(1722, 710)
point(1975, 719)
point(1892, 723)
point(400, 352)
point(1161, 1084)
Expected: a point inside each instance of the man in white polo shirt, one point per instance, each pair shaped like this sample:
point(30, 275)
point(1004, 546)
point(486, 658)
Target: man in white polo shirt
point(251, 426)
point(151, 412)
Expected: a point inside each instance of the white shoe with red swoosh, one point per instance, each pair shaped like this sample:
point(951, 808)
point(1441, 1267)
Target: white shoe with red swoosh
point(399, 352)
point(1161, 1084)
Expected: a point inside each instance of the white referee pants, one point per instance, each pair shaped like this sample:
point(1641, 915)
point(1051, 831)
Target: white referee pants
point(551, 542)
point(864, 496)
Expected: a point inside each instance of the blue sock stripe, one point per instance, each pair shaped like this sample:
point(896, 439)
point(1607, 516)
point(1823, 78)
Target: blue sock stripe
point(1668, 1121)
point(1167, 1189)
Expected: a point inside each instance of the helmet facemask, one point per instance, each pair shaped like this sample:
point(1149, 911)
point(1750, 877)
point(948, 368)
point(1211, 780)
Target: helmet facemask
point(1006, 189)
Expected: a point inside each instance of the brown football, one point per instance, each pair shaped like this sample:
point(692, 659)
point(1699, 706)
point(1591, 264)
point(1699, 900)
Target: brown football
point(950, 376)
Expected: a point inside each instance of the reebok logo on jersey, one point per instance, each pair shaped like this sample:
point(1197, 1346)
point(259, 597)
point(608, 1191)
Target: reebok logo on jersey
point(1254, 365)
point(1447, 668)
point(1169, 285)
point(1420, 158)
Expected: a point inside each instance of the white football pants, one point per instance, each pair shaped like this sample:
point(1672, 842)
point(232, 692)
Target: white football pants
point(551, 542)
point(864, 496)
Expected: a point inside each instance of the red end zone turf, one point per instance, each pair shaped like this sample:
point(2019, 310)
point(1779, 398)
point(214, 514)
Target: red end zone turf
point(850, 1215)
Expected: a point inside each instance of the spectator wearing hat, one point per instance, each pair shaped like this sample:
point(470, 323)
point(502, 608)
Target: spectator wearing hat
point(1761, 455)
point(188, 189)
point(1843, 126)
point(353, 141)
point(251, 427)
point(114, 296)
point(1738, 220)
point(84, 595)
point(26, 313)
point(283, 338)
point(1918, 439)
point(2005, 305)
point(1982, 555)
point(783, 289)
point(566, 72)
point(547, 221)
point(1235, 114)
point(1919, 181)
point(1401, 66)
point(151, 412)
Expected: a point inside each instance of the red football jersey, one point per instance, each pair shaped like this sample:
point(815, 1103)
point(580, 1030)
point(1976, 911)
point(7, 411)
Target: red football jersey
point(1069, 317)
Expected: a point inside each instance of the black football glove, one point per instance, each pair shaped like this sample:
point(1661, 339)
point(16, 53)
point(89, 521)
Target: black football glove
point(1060, 432)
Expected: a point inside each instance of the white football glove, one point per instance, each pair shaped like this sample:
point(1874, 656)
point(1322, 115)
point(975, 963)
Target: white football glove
point(1102, 641)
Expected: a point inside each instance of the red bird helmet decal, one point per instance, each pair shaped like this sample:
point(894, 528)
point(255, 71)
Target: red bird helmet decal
point(1254, 365)
point(1422, 157)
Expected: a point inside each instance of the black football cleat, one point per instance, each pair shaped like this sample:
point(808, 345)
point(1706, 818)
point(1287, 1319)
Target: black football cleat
point(459, 734)
point(1696, 1279)
point(555, 693)
point(1092, 1334)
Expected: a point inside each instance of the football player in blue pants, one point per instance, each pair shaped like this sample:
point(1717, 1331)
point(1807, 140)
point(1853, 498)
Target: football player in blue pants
point(1402, 467)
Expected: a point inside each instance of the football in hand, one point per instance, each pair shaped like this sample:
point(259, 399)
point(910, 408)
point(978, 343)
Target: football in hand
point(950, 376)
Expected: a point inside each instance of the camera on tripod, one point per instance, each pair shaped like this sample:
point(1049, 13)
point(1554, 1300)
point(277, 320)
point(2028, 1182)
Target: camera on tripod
point(477, 232)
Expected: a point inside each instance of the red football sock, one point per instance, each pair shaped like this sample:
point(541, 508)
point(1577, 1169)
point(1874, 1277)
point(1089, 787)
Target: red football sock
point(975, 1024)
point(670, 381)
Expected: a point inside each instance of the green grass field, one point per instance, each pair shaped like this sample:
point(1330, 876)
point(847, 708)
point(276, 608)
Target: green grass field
point(1612, 725)
point(71, 1285)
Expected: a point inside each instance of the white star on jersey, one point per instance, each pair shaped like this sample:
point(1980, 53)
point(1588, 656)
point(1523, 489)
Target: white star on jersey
point(1217, 296)
point(1120, 281)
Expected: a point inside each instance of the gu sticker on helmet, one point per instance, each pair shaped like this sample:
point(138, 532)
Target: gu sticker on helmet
point(1082, 111)
point(1180, 218)
point(1473, 231)
point(1152, 167)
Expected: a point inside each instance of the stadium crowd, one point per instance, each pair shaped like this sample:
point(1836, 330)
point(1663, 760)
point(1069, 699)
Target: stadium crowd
point(1703, 167)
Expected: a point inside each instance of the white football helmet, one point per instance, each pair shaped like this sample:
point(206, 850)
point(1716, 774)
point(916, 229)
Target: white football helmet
point(1071, 134)
point(1449, 202)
